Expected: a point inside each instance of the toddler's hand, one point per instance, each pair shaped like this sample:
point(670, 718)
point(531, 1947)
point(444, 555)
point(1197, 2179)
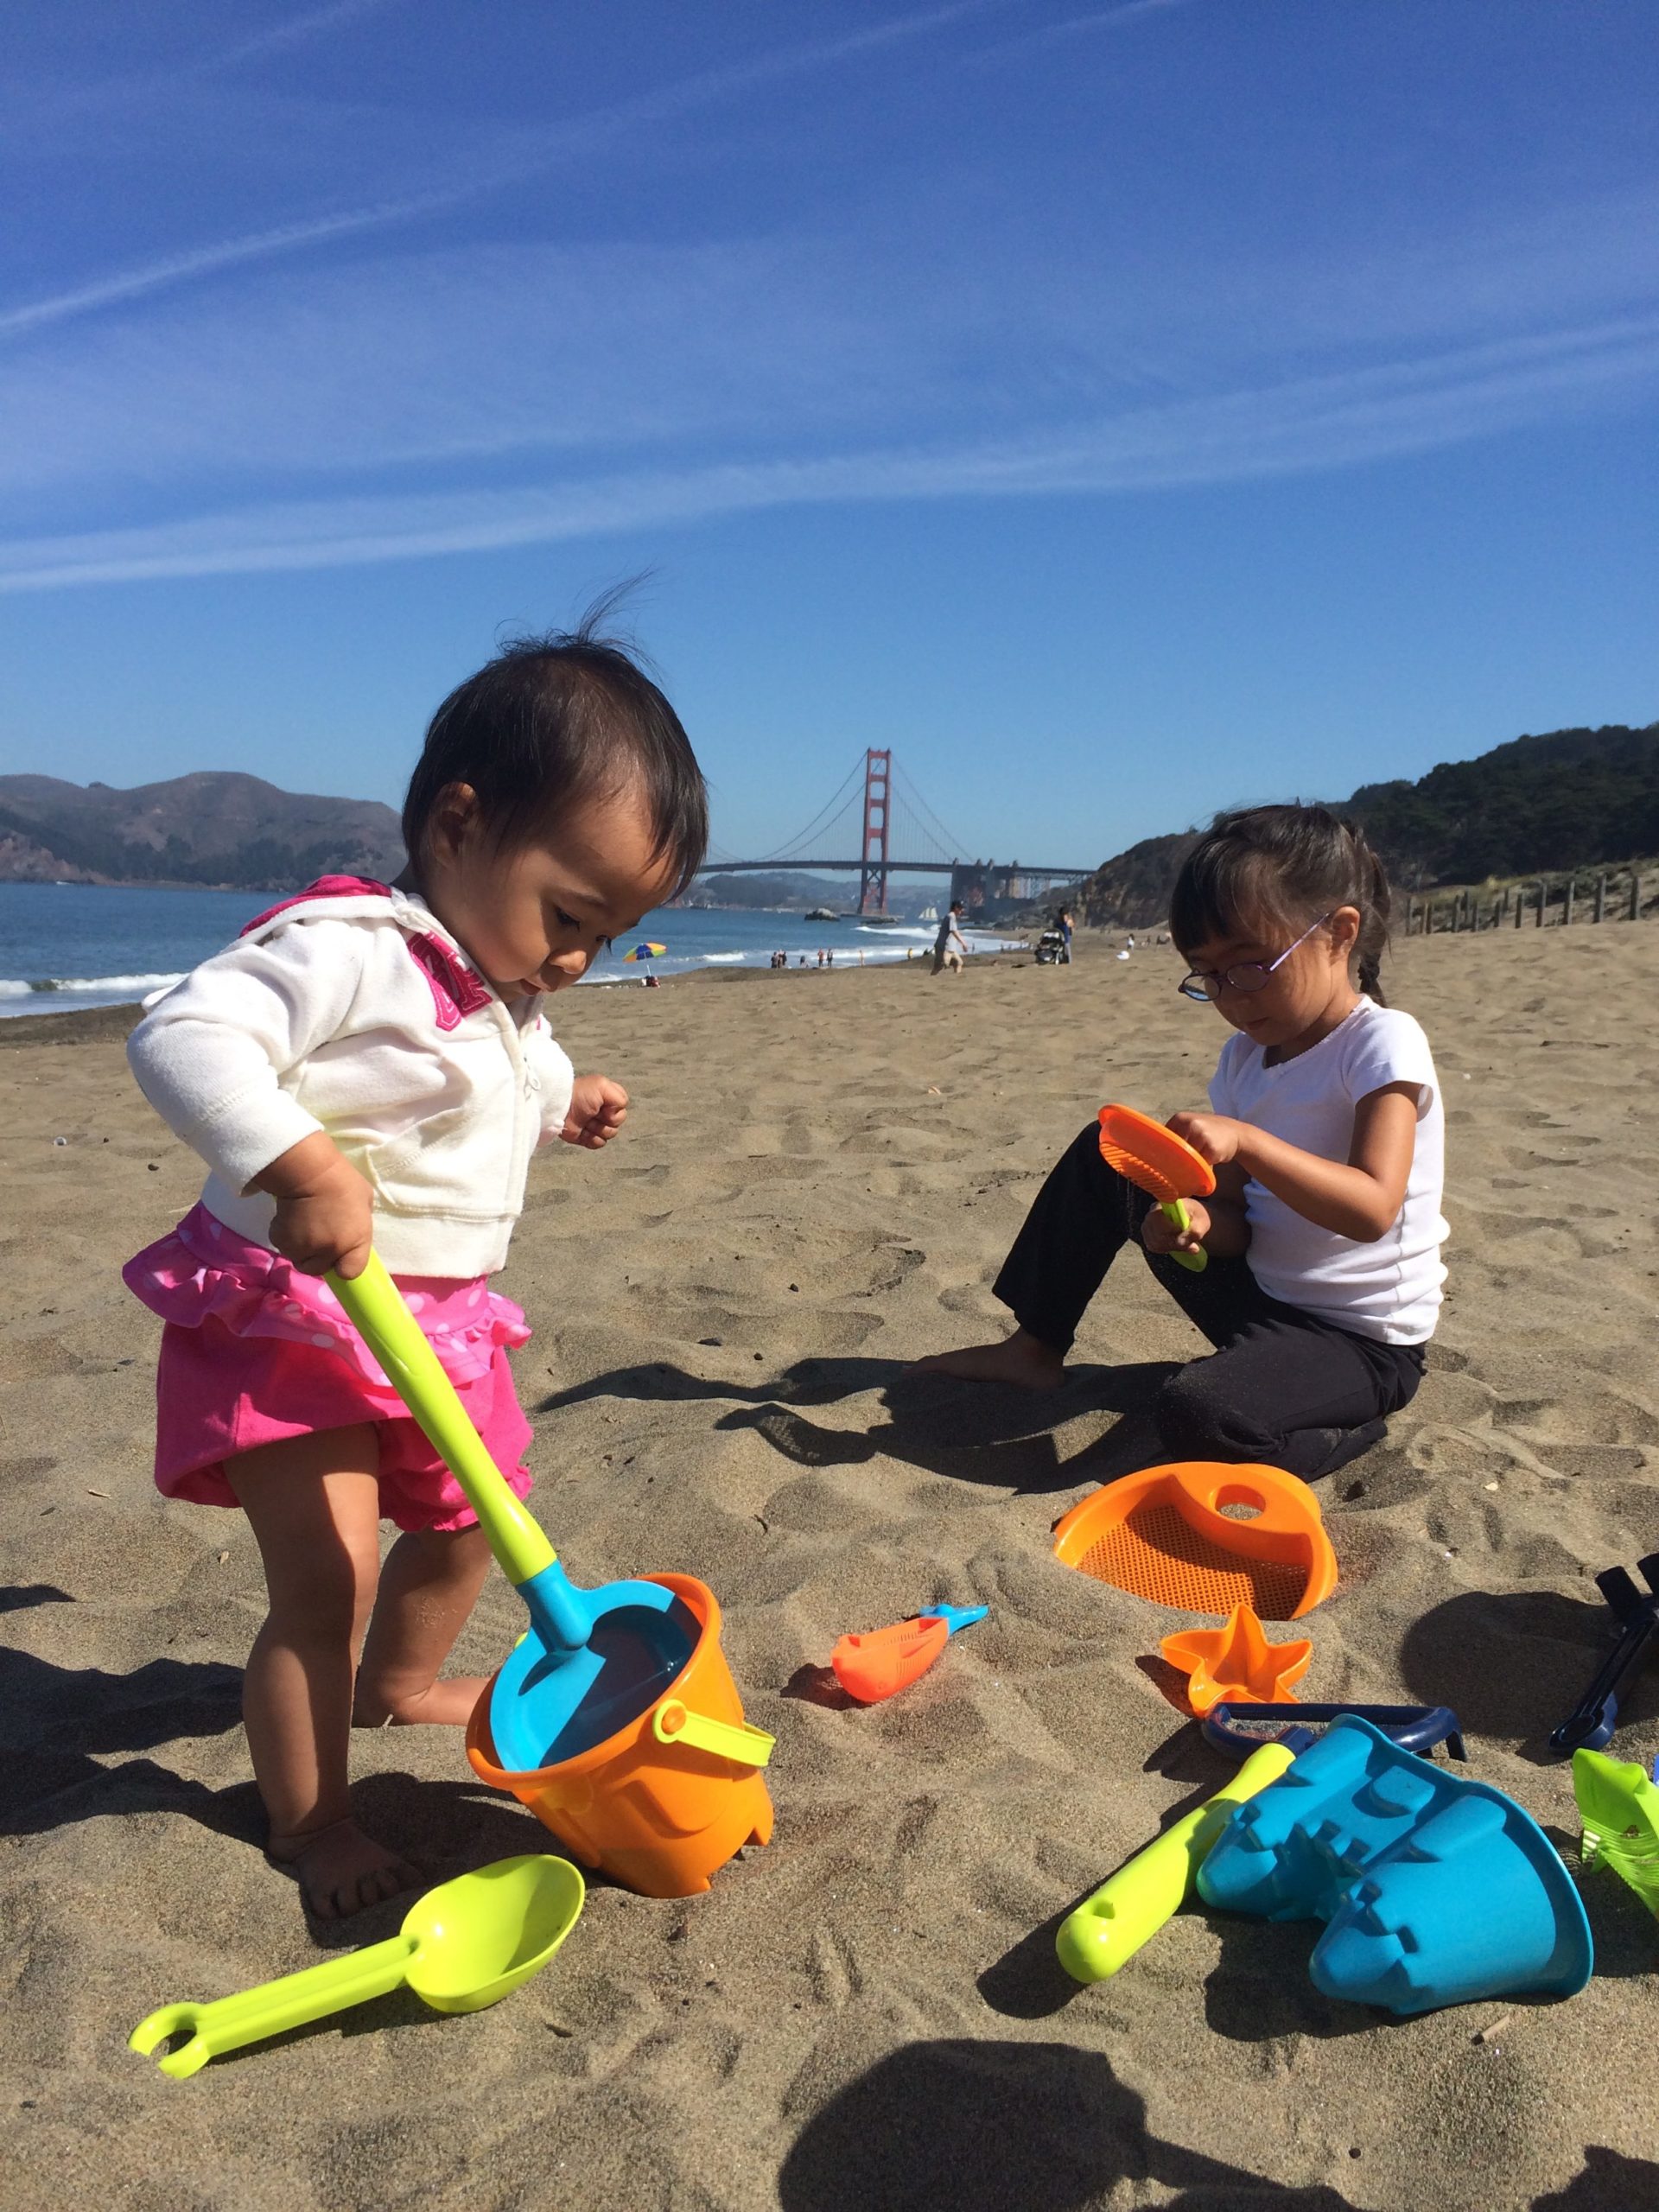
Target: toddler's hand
point(325, 1210)
point(1215, 1136)
point(1160, 1234)
point(598, 1110)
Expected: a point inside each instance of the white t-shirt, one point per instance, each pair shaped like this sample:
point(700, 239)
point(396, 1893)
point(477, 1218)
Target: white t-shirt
point(1389, 1290)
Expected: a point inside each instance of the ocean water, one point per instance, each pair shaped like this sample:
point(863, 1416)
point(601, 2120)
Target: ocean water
point(73, 944)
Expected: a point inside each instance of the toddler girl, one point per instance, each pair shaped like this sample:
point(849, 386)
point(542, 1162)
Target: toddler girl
point(369, 1064)
point(1326, 1134)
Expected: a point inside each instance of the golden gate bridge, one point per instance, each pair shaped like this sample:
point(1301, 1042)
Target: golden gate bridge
point(887, 803)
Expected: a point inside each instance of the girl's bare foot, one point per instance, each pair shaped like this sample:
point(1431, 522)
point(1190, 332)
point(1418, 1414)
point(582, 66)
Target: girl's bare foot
point(448, 1704)
point(1022, 1359)
point(339, 1870)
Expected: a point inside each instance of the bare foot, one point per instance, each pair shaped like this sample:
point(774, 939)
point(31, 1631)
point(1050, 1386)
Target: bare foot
point(448, 1704)
point(339, 1870)
point(1022, 1359)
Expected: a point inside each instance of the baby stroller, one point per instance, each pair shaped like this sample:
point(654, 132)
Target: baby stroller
point(1052, 951)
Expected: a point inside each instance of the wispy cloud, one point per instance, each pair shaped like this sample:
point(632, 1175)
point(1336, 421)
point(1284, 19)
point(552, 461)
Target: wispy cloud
point(495, 356)
point(1272, 430)
point(532, 154)
point(316, 22)
point(204, 261)
point(1095, 19)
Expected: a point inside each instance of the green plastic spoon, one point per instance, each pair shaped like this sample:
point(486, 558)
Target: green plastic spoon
point(461, 1946)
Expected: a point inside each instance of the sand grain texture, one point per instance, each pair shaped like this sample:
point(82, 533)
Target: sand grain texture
point(820, 1177)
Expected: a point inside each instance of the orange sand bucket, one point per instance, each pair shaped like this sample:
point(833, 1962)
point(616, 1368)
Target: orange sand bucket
point(1164, 1534)
point(656, 1806)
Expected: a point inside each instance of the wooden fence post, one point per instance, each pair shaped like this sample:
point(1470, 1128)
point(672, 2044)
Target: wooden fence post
point(1541, 894)
point(1635, 894)
point(1601, 898)
point(1520, 904)
point(1567, 903)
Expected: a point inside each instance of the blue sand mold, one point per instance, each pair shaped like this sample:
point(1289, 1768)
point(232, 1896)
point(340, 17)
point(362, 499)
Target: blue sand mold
point(1434, 1889)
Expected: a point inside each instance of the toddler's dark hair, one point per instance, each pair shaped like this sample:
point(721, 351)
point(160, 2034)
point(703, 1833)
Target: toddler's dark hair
point(555, 720)
point(1283, 866)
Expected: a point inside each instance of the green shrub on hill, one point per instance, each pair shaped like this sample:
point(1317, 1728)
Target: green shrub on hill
point(1574, 798)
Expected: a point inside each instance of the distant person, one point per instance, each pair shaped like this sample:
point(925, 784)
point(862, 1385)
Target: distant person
point(948, 953)
point(1325, 1129)
point(1066, 925)
point(369, 1066)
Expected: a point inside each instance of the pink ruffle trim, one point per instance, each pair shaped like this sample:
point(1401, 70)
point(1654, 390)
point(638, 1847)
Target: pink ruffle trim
point(203, 1270)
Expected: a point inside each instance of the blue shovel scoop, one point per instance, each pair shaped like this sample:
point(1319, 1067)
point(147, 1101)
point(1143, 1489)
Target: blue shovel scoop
point(592, 1660)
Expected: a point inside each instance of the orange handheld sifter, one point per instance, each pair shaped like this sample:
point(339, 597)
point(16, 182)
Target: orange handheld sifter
point(1155, 1159)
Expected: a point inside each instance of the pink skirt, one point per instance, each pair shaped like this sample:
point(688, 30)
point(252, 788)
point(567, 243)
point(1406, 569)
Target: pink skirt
point(254, 1352)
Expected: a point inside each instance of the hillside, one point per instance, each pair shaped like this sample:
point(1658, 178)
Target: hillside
point(1574, 798)
point(224, 829)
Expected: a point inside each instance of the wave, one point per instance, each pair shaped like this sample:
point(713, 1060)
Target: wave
point(723, 957)
point(14, 987)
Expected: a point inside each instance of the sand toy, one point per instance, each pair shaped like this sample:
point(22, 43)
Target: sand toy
point(873, 1666)
point(1620, 1808)
point(461, 1946)
point(1434, 1889)
point(1237, 1662)
point(1593, 1719)
point(1155, 1159)
point(593, 1658)
point(665, 1800)
point(1110, 1927)
point(1238, 1729)
point(1165, 1534)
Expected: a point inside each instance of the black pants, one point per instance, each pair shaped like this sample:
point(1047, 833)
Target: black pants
point(1282, 1388)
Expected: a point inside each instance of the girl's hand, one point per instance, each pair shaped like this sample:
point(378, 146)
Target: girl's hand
point(1160, 1234)
point(325, 1210)
point(1214, 1136)
point(598, 1110)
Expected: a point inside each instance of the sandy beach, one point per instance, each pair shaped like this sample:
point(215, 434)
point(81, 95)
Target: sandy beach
point(819, 1179)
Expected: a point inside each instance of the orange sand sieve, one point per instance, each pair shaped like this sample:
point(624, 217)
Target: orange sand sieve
point(1164, 1534)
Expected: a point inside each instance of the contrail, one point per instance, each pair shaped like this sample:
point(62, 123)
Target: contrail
point(569, 138)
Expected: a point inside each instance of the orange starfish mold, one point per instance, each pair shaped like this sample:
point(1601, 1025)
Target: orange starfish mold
point(1237, 1664)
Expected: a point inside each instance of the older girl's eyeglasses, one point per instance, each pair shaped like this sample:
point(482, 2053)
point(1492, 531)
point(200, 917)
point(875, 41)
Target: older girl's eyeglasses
point(1248, 975)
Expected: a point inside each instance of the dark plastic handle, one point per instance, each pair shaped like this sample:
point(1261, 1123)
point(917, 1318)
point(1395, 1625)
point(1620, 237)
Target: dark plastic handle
point(1593, 1719)
point(1414, 1727)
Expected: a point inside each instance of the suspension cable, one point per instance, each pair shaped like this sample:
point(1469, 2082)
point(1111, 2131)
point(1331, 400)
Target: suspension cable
point(952, 847)
point(825, 815)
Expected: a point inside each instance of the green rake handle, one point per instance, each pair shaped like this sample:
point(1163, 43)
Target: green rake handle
point(393, 1335)
point(1194, 1263)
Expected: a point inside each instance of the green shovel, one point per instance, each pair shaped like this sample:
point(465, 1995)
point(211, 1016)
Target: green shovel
point(461, 1946)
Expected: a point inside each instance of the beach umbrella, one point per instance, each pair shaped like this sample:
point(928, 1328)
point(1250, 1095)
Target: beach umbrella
point(647, 951)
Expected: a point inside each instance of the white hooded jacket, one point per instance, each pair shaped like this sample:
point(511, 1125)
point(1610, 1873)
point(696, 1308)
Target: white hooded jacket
point(351, 1009)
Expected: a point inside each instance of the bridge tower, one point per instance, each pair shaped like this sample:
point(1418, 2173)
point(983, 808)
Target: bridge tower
point(873, 876)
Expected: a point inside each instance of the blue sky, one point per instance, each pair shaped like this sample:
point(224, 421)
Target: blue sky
point(1119, 412)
